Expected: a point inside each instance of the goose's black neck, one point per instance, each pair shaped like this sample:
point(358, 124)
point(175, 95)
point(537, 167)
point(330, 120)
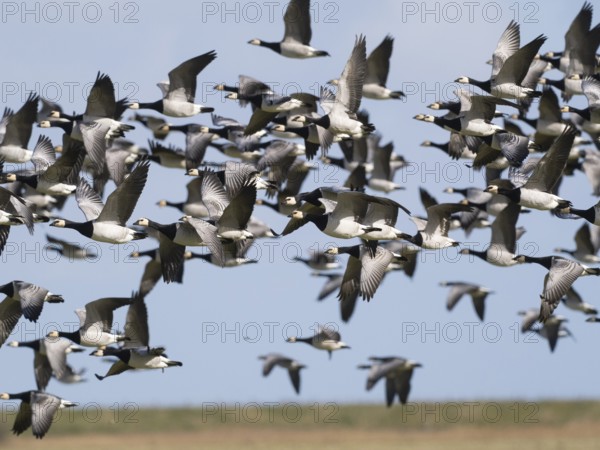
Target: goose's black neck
point(30, 180)
point(178, 205)
point(585, 113)
point(558, 84)
point(23, 396)
point(123, 355)
point(311, 197)
point(587, 214)
point(156, 106)
point(84, 228)
point(67, 127)
point(352, 251)
point(273, 206)
point(319, 220)
point(485, 85)
point(169, 230)
point(303, 132)
point(34, 345)
point(323, 121)
point(514, 195)
point(275, 46)
point(545, 261)
point(554, 61)
point(417, 239)
point(444, 147)
point(478, 253)
point(74, 336)
point(453, 124)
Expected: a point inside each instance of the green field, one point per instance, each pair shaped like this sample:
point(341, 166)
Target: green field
point(460, 425)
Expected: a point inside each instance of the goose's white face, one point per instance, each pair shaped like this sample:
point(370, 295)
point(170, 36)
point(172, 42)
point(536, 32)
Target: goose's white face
point(289, 201)
point(4, 396)
point(54, 114)
point(332, 251)
point(143, 222)
point(193, 172)
point(134, 255)
point(232, 96)
point(58, 223)
point(254, 41)
point(435, 105)
point(491, 189)
point(463, 80)
point(13, 344)
point(134, 105)
point(45, 124)
point(162, 203)
point(297, 215)
point(53, 334)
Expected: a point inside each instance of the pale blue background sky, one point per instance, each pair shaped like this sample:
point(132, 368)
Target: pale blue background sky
point(429, 52)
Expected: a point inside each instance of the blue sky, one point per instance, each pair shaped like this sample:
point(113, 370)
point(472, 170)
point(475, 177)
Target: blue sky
point(203, 322)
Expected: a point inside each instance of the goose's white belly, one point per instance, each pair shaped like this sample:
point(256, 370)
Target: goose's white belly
point(112, 233)
point(538, 200)
point(343, 229)
point(95, 337)
point(15, 154)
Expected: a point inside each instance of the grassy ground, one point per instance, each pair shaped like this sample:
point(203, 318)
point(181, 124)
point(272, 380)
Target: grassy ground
point(496, 426)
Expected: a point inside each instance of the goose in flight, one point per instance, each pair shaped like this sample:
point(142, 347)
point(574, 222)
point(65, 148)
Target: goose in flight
point(95, 323)
point(180, 93)
point(25, 299)
point(293, 367)
point(297, 35)
point(136, 352)
point(341, 109)
point(324, 339)
point(562, 273)
point(501, 251)
point(106, 222)
point(510, 65)
point(397, 373)
point(536, 193)
point(434, 235)
point(37, 411)
point(19, 126)
point(459, 289)
point(364, 271)
point(50, 359)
